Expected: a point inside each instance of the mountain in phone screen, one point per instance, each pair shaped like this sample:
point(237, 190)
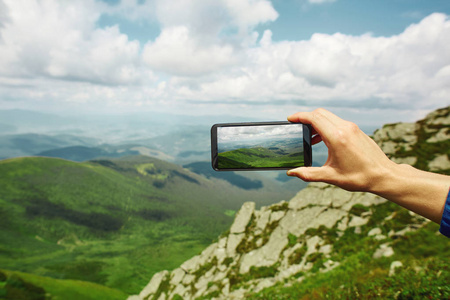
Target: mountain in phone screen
point(265, 154)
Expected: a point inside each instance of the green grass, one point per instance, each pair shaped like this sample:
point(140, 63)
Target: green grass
point(105, 222)
point(259, 157)
point(113, 222)
point(25, 285)
point(424, 253)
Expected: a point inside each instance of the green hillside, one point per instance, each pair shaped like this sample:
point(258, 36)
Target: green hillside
point(113, 222)
point(258, 157)
point(424, 272)
point(19, 285)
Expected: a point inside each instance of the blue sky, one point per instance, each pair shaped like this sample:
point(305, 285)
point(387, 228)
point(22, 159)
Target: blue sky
point(381, 17)
point(369, 61)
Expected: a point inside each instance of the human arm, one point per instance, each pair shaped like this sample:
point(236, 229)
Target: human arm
point(356, 163)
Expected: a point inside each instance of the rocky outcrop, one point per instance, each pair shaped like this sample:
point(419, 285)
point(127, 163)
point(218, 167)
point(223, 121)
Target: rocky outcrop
point(424, 144)
point(266, 246)
point(288, 241)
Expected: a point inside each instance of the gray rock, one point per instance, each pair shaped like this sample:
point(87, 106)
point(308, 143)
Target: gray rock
point(206, 254)
point(191, 265)
point(188, 279)
point(268, 254)
point(221, 250)
point(233, 241)
point(226, 287)
point(394, 265)
point(340, 197)
point(297, 222)
point(290, 271)
point(328, 218)
point(383, 251)
point(243, 217)
point(263, 220)
point(411, 160)
point(162, 296)
point(309, 196)
point(237, 294)
point(357, 221)
point(366, 199)
point(265, 283)
point(440, 136)
point(374, 231)
point(343, 224)
point(312, 244)
point(182, 291)
point(389, 147)
point(276, 215)
point(176, 276)
point(201, 285)
point(326, 249)
point(376, 234)
point(440, 162)
point(153, 286)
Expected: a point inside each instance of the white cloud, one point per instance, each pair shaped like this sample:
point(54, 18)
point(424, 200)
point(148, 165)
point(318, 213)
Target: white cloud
point(202, 36)
point(320, 1)
point(208, 52)
point(407, 69)
point(177, 52)
point(60, 40)
point(248, 13)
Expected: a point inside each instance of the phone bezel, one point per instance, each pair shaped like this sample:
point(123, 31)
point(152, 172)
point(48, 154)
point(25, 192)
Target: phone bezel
point(307, 150)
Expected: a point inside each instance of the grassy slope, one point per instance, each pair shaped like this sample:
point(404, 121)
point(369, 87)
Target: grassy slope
point(255, 157)
point(111, 222)
point(57, 289)
point(424, 254)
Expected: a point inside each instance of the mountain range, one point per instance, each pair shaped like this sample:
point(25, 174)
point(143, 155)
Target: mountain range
point(327, 242)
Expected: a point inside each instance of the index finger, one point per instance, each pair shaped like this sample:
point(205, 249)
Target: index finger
point(323, 121)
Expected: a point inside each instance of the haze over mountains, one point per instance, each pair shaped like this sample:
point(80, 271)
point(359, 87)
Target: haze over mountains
point(179, 139)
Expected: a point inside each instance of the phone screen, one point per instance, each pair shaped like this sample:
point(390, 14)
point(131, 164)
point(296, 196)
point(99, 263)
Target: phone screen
point(260, 146)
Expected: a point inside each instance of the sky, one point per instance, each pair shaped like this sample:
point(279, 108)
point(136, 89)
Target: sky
point(372, 62)
point(248, 133)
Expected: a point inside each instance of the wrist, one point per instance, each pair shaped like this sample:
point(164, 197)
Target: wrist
point(419, 191)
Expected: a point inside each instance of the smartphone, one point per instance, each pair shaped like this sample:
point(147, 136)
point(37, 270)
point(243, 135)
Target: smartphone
point(260, 146)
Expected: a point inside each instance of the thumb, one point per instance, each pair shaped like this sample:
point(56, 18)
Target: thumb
point(310, 174)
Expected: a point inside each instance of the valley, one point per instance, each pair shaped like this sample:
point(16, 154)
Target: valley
point(114, 222)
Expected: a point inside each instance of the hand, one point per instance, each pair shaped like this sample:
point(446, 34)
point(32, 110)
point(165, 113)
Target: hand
point(355, 162)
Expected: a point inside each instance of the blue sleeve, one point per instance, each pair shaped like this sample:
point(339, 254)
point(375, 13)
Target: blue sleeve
point(445, 222)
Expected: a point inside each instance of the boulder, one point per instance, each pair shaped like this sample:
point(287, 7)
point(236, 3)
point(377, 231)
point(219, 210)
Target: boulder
point(233, 241)
point(440, 162)
point(394, 265)
point(357, 221)
point(243, 217)
point(177, 276)
point(153, 286)
point(268, 254)
point(383, 251)
point(263, 220)
point(297, 222)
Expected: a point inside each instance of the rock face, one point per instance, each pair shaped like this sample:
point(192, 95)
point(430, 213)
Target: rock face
point(285, 242)
point(264, 246)
point(424, 144)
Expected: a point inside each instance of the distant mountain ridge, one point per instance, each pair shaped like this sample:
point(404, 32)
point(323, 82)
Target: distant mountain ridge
point(326, 242)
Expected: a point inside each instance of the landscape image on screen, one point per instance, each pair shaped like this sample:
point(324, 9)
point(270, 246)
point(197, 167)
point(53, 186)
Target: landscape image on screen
point(263, 146)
